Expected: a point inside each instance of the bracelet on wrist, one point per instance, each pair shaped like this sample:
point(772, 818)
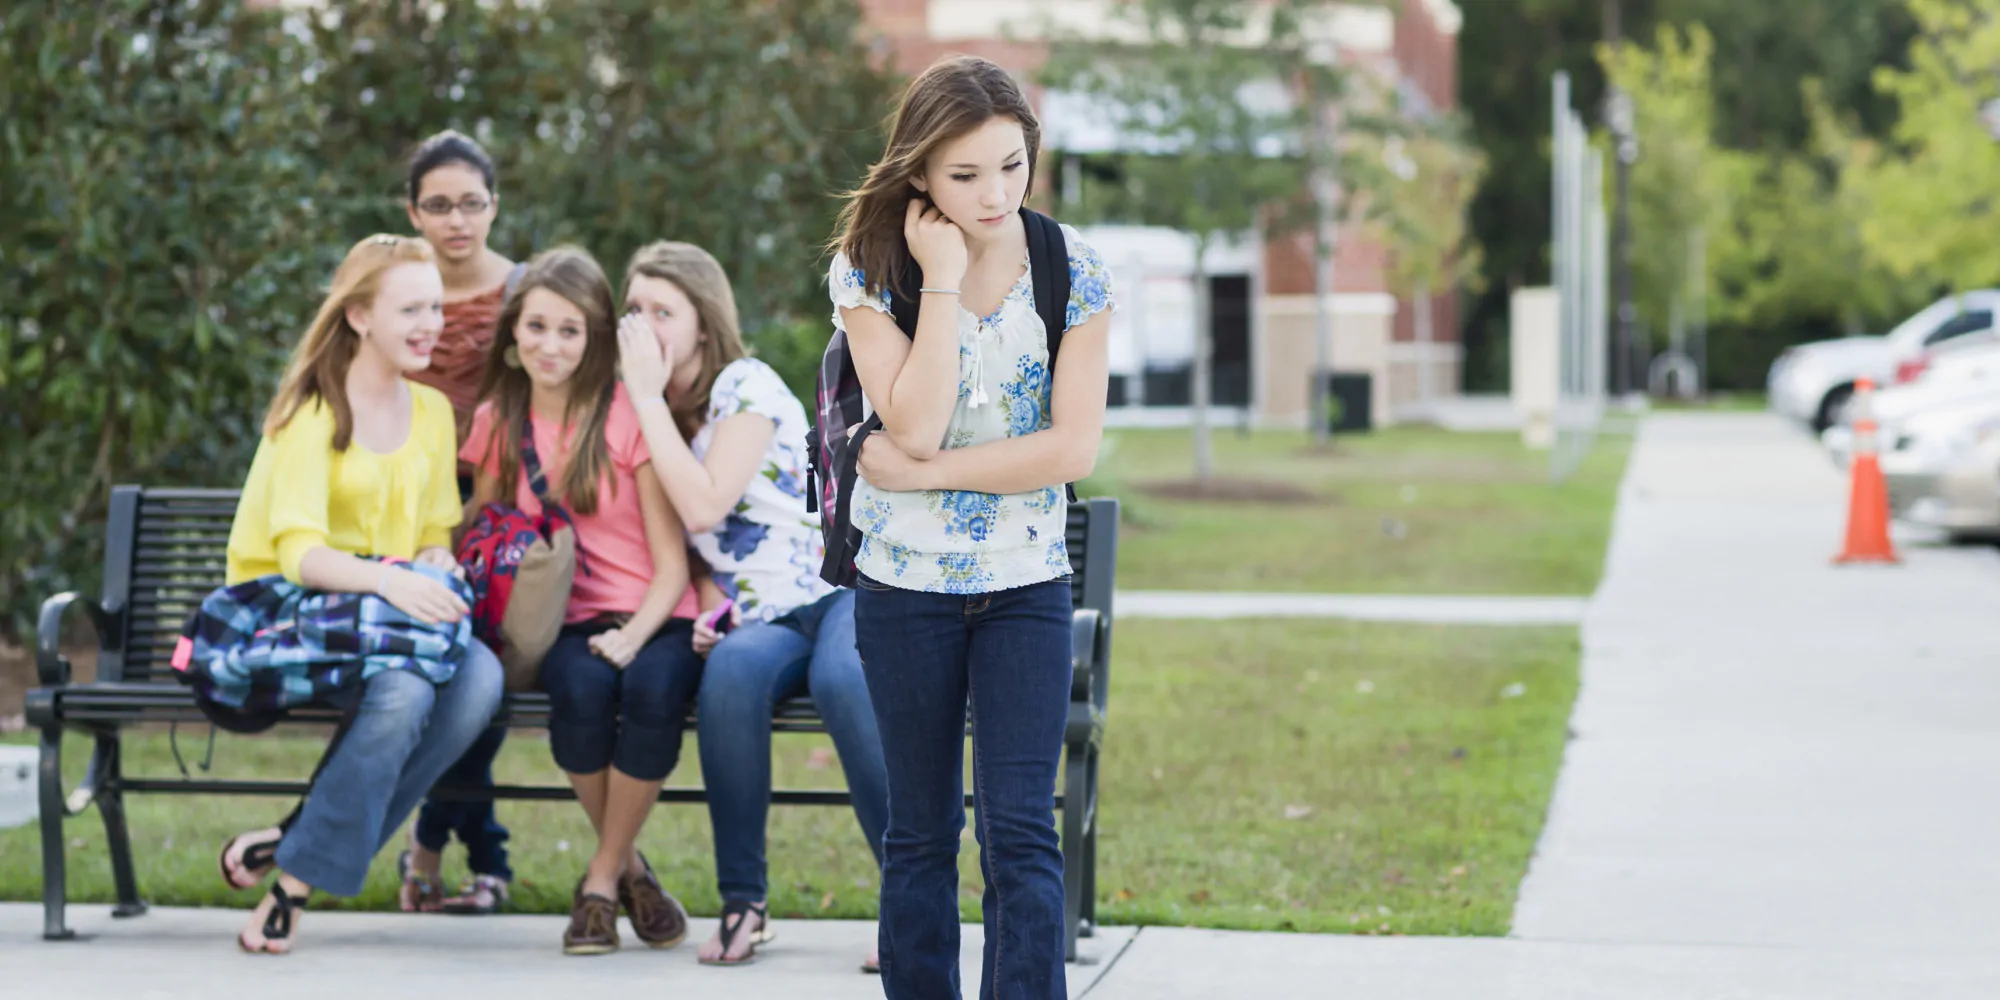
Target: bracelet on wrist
point(937, 291)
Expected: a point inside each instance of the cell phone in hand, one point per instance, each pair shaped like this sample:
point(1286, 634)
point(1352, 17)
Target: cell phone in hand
point(721, 619)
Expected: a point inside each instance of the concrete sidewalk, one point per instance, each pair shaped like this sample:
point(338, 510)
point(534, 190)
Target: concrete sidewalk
point(391, 956)
point(1771, 752)
point(188, 955)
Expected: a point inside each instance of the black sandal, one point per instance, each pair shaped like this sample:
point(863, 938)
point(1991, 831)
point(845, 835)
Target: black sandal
point(277, 923)
point(741, 910)
point(256, 859)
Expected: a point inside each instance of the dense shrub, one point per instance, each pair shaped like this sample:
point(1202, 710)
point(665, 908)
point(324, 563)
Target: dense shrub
point(177, 179)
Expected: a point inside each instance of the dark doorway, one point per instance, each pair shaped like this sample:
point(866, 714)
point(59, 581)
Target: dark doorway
point(1229, 314)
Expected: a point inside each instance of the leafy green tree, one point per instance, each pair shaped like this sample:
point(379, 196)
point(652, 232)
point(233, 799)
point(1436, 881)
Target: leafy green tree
point(1682, 184)
point(1799, 245)
point(151, 261)
point(1762, 51)
point(1215, 136)
point(618, 122)
point(1421, 211)
point(181, 175)
point(1931, 208)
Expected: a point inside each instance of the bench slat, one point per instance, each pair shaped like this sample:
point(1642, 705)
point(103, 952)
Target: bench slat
point(126, 702)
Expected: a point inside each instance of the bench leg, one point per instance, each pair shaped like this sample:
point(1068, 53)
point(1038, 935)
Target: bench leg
point(1075, 807)
point(55, 874)
point(1087, 926)
point(111, 805)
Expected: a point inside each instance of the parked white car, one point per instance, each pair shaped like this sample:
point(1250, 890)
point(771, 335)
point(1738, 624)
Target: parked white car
point(1954, 377)
point(1811, 383)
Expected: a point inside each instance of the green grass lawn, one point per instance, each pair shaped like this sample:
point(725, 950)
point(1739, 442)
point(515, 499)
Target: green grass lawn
point(1316, 776)
point(1403, 510)
point(1721, 402)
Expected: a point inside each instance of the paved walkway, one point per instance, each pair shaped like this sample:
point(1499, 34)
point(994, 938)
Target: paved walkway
point(183, 953)
point(1773, 754)
point(1433, 609)
point(1785, 785)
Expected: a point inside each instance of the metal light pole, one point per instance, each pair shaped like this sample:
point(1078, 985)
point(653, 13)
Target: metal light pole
point(1618, 113)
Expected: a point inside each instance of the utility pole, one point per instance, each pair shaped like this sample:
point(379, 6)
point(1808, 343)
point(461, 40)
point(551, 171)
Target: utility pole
point(1618, 115)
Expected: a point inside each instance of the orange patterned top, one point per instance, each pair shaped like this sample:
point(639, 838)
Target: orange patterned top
point(460, 357)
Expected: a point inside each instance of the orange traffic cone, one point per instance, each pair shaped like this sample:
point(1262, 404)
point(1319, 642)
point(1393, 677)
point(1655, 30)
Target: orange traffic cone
point(1868, 504)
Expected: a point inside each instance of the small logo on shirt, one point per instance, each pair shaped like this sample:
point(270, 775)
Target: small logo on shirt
point(1033, 535)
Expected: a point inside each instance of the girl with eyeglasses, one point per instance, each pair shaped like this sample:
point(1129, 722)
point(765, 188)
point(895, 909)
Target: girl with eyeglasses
point(454, 199)
point(453, 202)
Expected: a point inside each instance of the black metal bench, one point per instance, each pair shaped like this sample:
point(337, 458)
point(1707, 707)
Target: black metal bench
point(164, 551)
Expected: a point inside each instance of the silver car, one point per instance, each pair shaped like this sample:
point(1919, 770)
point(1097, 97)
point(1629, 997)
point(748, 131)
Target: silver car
point(1936, 450)
point(1964, 499)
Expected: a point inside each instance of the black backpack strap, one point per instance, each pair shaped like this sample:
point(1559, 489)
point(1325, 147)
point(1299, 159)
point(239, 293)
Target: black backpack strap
point(1048, 268)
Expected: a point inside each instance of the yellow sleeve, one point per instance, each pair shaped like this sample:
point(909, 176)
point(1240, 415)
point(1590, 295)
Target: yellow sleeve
point(300, 487)
point(441, 507)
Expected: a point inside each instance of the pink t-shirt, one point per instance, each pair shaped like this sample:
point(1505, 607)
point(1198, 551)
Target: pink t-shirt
point(612, 539)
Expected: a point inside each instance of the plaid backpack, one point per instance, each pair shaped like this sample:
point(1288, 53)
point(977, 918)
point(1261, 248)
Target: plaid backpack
point(838, 404)
point(255, 649)
point(520, 567)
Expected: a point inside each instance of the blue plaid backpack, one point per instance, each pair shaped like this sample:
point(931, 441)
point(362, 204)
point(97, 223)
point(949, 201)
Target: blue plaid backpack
point(256, 649)
point(838, 404)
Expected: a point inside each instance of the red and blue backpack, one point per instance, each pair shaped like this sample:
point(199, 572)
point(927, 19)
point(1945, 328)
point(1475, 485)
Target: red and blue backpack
point(520, 567)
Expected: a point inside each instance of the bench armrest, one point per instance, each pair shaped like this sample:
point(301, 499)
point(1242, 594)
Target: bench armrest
point(1084, 666)
point(51, 667)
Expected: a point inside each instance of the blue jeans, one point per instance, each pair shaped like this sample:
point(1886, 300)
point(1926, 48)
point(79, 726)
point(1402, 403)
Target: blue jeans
point(926, 656)
point(809, 650)
point(601, 716)
point(484, 838)
point(407, 732)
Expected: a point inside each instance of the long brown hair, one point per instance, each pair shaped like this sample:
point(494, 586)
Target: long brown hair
point(573, 274)
point(318, 369)
point(701, 278)
point(952, 98)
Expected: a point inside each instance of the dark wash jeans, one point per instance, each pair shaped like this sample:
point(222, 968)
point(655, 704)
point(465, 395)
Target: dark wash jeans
point(925, 657)
point(475, 824)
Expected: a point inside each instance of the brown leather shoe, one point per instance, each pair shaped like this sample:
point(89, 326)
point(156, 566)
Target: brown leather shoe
point(657, 917)
point(593, 926)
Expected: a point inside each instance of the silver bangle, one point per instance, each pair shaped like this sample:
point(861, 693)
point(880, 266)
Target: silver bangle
point(937, 291)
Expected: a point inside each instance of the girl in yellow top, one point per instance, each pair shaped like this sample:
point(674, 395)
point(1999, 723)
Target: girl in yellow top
point(359, 465)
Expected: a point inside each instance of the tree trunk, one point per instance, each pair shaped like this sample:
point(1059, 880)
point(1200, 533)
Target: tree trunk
point(1204, 451)
point(1423, 320)
point(1323, 241)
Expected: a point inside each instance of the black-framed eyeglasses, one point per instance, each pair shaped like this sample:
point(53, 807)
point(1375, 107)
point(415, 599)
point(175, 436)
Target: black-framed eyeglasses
point(471, 204)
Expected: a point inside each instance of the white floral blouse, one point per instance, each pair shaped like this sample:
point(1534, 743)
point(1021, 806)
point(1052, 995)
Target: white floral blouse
point(766, 553)
point(958, 541)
